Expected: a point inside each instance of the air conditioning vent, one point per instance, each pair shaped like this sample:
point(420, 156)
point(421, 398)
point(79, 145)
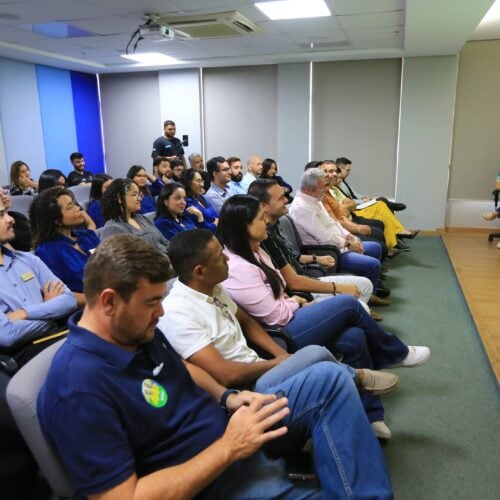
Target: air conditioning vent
point(218, 25)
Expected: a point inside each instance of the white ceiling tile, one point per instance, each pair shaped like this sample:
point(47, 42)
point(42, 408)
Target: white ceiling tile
point(320, 36)
point(371, 20)
point(375, 33)
point(364, 6)
point(107, 25)
point(386, 43)
point(307, 25)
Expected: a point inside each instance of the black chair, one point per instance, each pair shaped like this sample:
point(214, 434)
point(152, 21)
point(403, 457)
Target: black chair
point(495, 198)
point(290, 231)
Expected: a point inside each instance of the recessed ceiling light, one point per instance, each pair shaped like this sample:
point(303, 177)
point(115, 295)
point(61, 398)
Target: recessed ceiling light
point(294, 9)
point(493, 14)
point(152, 59)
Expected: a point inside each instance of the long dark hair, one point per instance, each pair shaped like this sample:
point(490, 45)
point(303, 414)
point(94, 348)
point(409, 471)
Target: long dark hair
point(49, 178)
point(237, 213)
point(186, 179)
point(96, 187)
point(132, 172)
point(166, 192)
point(114, 202)
point(266, 166)
point(45, 214)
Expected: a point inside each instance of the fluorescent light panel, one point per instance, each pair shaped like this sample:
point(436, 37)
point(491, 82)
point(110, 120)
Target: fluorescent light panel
point(152, 59)
point(294, 9)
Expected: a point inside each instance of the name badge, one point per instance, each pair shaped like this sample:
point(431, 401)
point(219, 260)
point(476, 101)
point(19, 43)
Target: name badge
point(27, 276)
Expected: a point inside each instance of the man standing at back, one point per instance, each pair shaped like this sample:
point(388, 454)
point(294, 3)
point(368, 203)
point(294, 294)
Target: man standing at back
point(168, 145)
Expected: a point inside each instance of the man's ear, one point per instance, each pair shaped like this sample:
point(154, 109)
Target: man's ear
point(198, 271)
point(109, 299)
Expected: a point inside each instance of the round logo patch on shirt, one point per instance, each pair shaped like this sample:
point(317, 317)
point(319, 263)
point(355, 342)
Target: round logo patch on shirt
point(154, 393)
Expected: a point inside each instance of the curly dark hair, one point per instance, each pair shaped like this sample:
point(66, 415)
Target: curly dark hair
point(113, 202)
point(45, 214)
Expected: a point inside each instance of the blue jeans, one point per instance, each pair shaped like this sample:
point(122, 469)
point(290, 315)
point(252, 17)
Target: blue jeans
point(325, 406)
point(343, 326)
point(300, 360)
point(367, 264)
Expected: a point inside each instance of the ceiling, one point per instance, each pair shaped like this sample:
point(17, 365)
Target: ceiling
point(358, 29)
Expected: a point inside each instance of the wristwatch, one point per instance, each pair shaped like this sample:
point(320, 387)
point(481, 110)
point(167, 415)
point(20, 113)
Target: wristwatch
point(225, 395)
point(315, 259)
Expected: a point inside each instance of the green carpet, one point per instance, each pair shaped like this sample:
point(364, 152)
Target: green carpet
point(445, 415)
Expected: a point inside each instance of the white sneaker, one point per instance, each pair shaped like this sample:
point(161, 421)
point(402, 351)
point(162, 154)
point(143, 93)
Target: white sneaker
point(417, 355)
point(381, 430)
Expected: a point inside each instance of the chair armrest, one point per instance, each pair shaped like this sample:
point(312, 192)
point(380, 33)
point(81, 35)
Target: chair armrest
point(8, 364)
point(303, 295)
point(280, 334)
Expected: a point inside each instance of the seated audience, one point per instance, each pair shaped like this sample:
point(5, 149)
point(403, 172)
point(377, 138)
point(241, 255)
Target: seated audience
point(316, 227)
point(172, 214)
point(293, 266)
point(51, 178)
point(65, 249)
point(100, 184)
point(32, 298)
point(196, 162)
point(34, 306)
point(139, 175)
point(254, 169)
point(79, 175)
point(220, 190)
point(339, 323)
point(376, 210)
point(121, 205)
point(270, 171)
point(22, 229)
point(345, 166)
point(202, 324)
point(193, 184)
point(156, 429)
point(236, 175)
point(162, 174)
point(20, 179)
point(372, 230)
point(177, 170)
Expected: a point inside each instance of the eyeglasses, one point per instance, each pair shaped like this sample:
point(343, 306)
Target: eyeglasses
point(135, 195)
point(227, 169)
point(221, 307)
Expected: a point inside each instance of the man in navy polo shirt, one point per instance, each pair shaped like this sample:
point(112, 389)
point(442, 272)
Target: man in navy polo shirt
point(130, 419)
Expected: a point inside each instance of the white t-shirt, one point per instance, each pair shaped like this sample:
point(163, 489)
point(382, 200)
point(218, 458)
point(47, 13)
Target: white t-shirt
point(193, 320)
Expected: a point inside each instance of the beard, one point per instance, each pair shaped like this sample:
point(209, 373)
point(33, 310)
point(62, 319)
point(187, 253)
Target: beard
point(236, 178)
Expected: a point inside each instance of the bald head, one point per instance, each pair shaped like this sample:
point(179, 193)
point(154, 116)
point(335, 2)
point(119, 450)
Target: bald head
point(254, 165)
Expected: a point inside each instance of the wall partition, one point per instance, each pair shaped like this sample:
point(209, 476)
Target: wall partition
point(355, 113)
point(240, 109)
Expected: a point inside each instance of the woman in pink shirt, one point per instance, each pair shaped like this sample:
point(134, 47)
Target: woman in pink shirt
point(339, 323)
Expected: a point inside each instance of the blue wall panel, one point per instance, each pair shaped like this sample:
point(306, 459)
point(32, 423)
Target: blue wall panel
point(87, 119)
point(20, 116)
point(58, 119)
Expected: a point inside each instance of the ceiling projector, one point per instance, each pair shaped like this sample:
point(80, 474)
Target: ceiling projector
point(156, 31)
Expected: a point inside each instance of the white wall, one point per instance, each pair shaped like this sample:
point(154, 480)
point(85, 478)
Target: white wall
point(180, 102)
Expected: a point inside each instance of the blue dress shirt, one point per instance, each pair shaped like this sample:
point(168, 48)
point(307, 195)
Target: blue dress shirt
point(23, 276)
point(64, 260)
point(217, 196)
